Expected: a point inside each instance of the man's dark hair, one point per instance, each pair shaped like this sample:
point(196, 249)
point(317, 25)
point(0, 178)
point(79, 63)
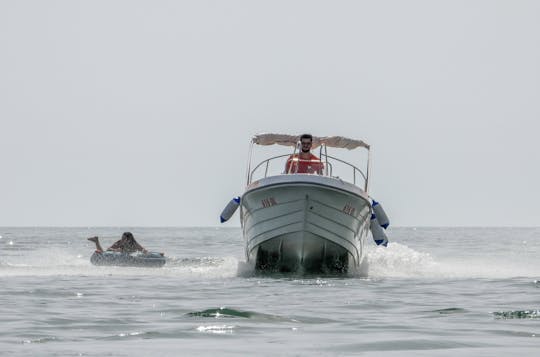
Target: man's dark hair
point(306, 136)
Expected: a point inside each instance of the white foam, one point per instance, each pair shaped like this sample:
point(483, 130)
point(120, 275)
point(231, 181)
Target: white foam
point(398, 260)
point(58, 262)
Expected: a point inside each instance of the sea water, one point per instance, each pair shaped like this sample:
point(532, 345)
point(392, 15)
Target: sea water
point(431, 292)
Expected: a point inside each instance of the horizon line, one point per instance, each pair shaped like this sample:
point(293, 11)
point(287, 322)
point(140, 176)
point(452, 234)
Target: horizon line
point(222, 226)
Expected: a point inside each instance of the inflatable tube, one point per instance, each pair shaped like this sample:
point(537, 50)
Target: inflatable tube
point(381, 215)
point(229, 210)
point(379, 236)
point(108, 258)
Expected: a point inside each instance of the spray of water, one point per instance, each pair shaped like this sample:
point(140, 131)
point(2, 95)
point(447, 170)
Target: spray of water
point(61, 262)
point(398, 260)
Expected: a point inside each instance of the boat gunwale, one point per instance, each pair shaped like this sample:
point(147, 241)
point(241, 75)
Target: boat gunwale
point(261, 184)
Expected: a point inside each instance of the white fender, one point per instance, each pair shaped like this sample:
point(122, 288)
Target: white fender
point(379, 236)
point(229, 210)
point(381, 215)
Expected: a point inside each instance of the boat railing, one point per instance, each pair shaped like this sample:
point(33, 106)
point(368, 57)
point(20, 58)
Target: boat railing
point(266, 164)
point(354, 168)
point(326, 160)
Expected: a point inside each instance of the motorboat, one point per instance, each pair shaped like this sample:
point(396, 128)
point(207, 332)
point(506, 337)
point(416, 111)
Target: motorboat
point(305, 222)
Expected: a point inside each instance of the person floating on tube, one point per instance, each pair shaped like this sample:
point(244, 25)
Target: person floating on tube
point(127, 244)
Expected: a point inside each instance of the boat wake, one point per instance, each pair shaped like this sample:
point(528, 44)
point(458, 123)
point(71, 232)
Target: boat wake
point(398, 260)
point(394, 261)
point(58, 262)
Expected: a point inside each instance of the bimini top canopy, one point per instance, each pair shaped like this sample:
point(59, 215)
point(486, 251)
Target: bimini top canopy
point(291, 140)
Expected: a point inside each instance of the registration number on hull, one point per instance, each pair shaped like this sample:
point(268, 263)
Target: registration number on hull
point(268, 202)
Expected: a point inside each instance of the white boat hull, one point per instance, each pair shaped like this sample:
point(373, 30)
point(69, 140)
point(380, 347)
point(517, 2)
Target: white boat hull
point(304, 223)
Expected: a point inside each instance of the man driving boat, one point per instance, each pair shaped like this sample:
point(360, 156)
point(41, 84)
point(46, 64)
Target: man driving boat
point(304, 162)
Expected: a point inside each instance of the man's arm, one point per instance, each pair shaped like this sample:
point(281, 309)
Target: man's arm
point(140, 247)
point(116, 247)
point(319, 166)
point(288, 164)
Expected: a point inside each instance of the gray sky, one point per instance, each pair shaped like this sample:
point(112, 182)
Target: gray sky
point(139, 113)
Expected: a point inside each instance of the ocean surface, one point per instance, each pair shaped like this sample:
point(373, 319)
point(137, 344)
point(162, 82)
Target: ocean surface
point(431, 292)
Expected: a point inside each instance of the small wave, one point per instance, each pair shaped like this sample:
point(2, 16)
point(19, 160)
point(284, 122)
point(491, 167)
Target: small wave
point(194, 262)
point(221, 312)
point(130, 335)
point(217, 329)
point(225, 312)
point(517, 314)
point(450, 311)
point(40, 340)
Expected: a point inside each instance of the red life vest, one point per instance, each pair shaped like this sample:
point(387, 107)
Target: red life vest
point(296, 165)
